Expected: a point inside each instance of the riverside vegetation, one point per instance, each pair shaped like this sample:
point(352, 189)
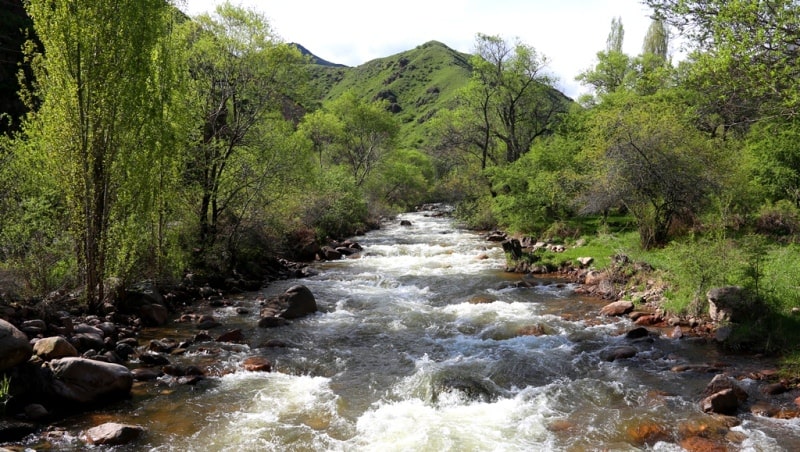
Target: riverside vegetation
point(220, 149)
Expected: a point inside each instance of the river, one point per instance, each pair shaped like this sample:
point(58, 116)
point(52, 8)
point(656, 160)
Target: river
point(424, 344)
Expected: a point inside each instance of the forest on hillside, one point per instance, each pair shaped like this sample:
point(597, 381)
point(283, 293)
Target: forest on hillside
point(214, 151)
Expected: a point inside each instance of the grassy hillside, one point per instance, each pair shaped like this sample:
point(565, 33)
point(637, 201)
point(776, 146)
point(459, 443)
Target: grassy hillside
point(417, 83)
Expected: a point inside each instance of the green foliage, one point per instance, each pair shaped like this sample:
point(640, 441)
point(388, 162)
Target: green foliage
point(242, 77)
point(87, 130)
point(773, 151)
point(404, 179)
point(538, 188)
point(649, 160)
point(419, 83)
point(694, 266)
point(366, 134)
point(5, 391)
point(336, 208)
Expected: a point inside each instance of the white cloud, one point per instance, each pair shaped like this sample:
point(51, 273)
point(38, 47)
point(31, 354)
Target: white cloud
point(352, 32)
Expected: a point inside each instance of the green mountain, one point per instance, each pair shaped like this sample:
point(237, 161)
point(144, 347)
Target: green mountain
point(416, 83)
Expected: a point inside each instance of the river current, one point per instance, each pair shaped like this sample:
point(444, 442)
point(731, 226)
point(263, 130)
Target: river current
point(423, 343)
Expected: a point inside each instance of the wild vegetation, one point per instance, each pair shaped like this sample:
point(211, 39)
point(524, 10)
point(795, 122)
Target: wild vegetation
point(220, 147)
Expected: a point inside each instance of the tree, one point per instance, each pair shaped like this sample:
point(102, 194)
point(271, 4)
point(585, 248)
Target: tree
point(245, 78)
point(656, 41)
point(366, 136)
point(612, 66)
point(649, 160)
point(88, 130)
point(616, 36)
point(745, 55)
point(517, 89)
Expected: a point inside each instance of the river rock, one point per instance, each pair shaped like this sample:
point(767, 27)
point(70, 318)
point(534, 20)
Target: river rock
point(36, 412)
point(775, 388)
point(330, 254)
point(722, 402)
point(296, 302)
point(53, 348)
point(146, 373)
point(85, 381)
point(113, 434)
point(14, 346)
point(637, 333)
point(594, 277)
point(87, 341)
point(726, 303)
point(622, 352)
point(617, 308)
point(154, 314)
point(234, 336)
point(257, 364)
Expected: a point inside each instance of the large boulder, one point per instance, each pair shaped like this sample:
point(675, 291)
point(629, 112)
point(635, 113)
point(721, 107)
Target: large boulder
point(297, 301)
point(727, 303)
point(54, 347)
point(85, 381)
point(14, 346)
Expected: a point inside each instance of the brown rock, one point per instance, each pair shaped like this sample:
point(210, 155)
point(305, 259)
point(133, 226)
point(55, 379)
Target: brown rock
point(531, 330)
point(113, 434)
point(14, 346)
point(234, 336)
point(53, 348)
point(775, 389)
point(700, 444)
point(647, 320)
point(722, 402)
point(257, 364)
point(647, 433)
point(617, 308)
point(594, 278)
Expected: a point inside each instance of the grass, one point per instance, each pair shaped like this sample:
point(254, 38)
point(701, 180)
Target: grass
point(5, 391)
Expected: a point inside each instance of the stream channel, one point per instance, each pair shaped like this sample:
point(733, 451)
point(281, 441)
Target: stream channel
point(420, 345)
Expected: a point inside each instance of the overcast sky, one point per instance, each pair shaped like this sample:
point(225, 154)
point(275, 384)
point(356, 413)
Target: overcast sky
point(568, 32)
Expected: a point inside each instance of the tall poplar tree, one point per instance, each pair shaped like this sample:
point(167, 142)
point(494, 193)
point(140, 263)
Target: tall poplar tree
point(96, 81)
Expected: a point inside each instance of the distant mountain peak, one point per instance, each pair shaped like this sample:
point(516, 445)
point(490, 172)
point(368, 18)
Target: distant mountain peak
point(315, 59)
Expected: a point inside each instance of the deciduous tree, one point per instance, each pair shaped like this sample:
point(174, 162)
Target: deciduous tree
point(97, 81)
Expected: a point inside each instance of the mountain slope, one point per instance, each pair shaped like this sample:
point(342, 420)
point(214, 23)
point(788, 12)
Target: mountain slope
point(416, 83)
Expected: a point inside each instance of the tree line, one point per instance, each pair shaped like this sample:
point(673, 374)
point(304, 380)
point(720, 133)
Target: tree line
point(155, 143)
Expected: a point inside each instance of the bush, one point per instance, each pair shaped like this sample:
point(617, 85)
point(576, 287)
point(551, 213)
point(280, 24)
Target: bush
point(337, 209)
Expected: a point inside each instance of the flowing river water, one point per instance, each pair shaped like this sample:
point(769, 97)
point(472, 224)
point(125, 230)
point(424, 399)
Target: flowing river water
point(423, 343)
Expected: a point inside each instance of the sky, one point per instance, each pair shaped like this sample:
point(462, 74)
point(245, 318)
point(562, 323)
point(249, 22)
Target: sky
point(351, 32)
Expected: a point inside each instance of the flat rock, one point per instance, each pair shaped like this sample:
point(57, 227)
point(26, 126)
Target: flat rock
point(617, 308)
point(113, 434)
